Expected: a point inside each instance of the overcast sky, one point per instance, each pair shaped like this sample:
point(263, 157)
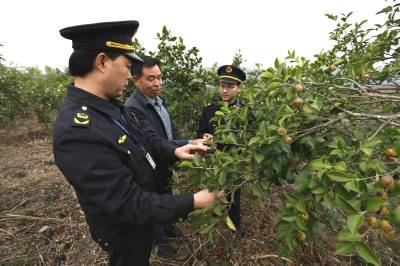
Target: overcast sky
point(262, 30)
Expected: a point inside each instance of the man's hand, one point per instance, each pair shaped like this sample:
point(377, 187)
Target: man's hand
point(197, 141)
point(186, 152)
point(204, 198)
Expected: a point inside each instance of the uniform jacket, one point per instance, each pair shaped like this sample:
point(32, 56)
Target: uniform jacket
point(116, 186)
point(205, 123)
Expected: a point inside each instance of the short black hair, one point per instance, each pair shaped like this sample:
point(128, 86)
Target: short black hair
point(148, 61)
point(81, 61)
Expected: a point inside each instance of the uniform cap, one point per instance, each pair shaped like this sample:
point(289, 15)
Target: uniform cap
point(112, 36)
point(231, 74)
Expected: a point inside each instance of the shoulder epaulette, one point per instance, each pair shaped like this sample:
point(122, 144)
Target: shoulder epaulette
point(81, 117)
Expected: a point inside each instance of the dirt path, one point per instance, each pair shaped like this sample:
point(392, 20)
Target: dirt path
point(40, 221)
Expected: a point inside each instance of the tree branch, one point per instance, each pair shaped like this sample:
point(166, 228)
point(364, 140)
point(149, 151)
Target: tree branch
point(307, 131)
point(379, 129)
point(363, 90)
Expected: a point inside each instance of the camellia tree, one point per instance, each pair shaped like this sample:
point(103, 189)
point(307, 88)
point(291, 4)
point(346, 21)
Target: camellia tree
point(329, 126)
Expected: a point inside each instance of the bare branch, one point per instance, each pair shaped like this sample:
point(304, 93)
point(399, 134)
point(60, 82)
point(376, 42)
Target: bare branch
point(26, 217)
point(363, 90)
point(309, 130)
point(379, 129)
point(383, 117)
point(371, 94)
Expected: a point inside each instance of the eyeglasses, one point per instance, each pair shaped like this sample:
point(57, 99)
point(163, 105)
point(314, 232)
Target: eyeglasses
point(226, 86)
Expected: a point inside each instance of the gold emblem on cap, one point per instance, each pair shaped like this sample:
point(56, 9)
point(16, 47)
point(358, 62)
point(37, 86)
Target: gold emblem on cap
point(228, 69)
point(119, 46)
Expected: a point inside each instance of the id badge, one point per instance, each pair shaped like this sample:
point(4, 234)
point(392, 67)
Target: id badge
point(150, 160)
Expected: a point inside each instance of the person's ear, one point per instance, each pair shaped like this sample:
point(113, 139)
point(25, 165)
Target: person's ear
point(135, 79)
point(101, 62)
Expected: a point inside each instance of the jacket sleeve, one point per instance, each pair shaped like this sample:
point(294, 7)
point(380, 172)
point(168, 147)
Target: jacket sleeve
point(203, 125)
point(177, 136)
point(97, 171)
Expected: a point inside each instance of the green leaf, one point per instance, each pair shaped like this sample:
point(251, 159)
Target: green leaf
point(367, 147)
point(367, 254)
point(267, 75)
point(345, 205)
point(340, 176)
point(300, 224)
point(397, 215)
point(219, 113)
point(344, 247)
point(371, 143)
point(196, 159)
point(321, 163)
point(222, 178)
point(385, 10)
point(291, 198)
point(364, 166)
point(254, 140)
point(367, 151)
point(301, 206)
point(354, 221)
point(345, 235)
point(232, 138)
point(205, 229)
point(274, 85)
point(289, 218)
point(352, 185)
point(217, 211)
point(374, 204)
point(277, 63)
point(318, 190)
point(341, 166)
point(230, 224)
point(186, 164)
point(307, 108)
point(337, 152)
point(259, 157)
point(317, 104)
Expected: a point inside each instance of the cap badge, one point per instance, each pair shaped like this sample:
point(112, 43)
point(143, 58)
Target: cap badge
point(228, 69)
point(119, 46)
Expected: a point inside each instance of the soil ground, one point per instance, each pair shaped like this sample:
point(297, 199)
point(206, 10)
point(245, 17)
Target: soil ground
point(41, 222)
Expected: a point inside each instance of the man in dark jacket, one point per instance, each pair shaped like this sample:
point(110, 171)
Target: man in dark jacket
point(103, 153)
point(230, 79)
point(151, 111)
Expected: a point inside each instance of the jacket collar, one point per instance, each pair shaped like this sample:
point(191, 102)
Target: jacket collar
point(144, 100)
point(111, 108)
point(237, 102)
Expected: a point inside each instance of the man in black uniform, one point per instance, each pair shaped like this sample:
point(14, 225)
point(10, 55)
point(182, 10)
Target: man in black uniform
point(152, 113)
point(230, 79)
point(105, 156)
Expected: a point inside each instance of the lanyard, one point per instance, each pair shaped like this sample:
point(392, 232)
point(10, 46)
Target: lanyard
point(146, 154)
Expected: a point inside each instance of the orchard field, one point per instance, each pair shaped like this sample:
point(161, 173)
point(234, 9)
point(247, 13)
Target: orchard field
point(317, 156)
